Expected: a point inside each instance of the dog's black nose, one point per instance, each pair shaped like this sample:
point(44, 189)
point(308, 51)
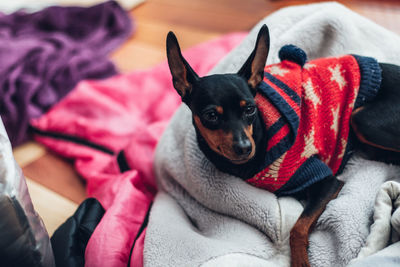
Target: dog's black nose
point(242, 147)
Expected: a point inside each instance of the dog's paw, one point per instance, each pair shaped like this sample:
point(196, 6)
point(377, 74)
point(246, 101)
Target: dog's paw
point(299, 258)
point(298, 247)
point(300, 264)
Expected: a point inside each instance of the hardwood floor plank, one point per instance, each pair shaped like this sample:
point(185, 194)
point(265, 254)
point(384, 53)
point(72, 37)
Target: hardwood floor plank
point(58, 175)
point(28, 153)
point(134, 56)
point(147, 48)
point(51, 207)
point(210, 19)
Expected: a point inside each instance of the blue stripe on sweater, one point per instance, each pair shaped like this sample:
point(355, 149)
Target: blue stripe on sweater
point(371, 78)
point(312, 171)
point(276, 127)
point(280, 103)
point(277, 151)
point(289, 116)
point(289, 91)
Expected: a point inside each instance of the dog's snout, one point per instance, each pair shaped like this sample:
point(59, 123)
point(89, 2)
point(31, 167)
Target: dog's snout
point(242, 147)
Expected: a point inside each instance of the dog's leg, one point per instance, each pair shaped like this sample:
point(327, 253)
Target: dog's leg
point(319, 194)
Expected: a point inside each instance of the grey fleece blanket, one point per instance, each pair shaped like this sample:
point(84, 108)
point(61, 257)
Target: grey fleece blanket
point(203, 217)
point(382, 247)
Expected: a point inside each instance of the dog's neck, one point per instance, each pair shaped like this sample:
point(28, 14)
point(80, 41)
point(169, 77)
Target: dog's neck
point(245, 170)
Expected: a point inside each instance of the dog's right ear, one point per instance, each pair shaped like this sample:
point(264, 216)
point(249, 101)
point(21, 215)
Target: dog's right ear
point(253, 69)
point(183, 75)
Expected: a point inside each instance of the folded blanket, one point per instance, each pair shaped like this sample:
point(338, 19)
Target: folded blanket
point(383, 243)
point(205, 217)
point(43, 56)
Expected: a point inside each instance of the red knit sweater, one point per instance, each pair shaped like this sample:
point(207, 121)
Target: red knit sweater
point(307, 110)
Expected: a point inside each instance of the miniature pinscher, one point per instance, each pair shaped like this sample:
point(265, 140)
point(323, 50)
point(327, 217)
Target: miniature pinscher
point(231, 130)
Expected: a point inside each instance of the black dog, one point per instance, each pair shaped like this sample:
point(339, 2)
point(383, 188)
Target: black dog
point(231, 131)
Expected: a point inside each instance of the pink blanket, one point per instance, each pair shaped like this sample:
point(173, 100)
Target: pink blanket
point(110, 129)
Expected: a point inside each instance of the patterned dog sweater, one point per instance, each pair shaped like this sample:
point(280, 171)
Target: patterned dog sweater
point(306, 109)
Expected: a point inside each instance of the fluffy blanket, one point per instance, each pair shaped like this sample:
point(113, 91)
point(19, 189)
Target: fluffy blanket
point(383, 246)
point(45, 54)
point(205, 217)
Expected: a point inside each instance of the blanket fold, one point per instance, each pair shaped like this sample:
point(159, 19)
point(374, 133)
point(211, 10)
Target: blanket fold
point(43, 55)
point(215, 219)
point(385, 231)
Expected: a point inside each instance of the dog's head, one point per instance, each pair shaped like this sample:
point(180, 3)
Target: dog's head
point(222, 105)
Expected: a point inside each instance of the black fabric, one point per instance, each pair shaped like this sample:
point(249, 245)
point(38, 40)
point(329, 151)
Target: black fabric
point(69, 241)
point(17, 243)
point(122, 162)
point(142, 228)
point(71, 138)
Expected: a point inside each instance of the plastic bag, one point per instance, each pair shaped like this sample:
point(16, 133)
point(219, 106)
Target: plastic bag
point(24, 240)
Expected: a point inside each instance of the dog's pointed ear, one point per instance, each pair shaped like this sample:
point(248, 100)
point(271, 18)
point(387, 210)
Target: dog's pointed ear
point(183, 75)
point(253, 69)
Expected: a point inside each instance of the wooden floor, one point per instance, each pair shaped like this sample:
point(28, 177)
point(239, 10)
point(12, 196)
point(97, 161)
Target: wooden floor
point(53, 180)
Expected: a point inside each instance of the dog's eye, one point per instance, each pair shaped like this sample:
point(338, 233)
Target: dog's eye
point(250, 110)
point(211, 116)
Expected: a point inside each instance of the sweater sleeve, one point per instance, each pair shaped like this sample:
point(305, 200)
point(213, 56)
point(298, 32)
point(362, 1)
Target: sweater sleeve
point(310, 172)
point(371, 77)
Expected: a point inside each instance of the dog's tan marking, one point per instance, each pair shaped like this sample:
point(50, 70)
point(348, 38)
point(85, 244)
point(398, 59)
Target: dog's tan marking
point(220, 110)
point(242, 103)
point(249, 133)
point(222, 142)
point(178, 68)
point(181, 84)
point(217, 140)
point(362, 138)
point(302, 229)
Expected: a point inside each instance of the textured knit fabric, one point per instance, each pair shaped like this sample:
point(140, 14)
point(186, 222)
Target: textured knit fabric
point(307, 113)
point(45, 54)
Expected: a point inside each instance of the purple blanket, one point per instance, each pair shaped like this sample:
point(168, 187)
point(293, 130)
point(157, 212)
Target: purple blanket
point(45, 54)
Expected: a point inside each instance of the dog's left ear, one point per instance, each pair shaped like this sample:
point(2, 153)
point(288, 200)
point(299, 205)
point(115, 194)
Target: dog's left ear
point(253, 69)
point(183, 76)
